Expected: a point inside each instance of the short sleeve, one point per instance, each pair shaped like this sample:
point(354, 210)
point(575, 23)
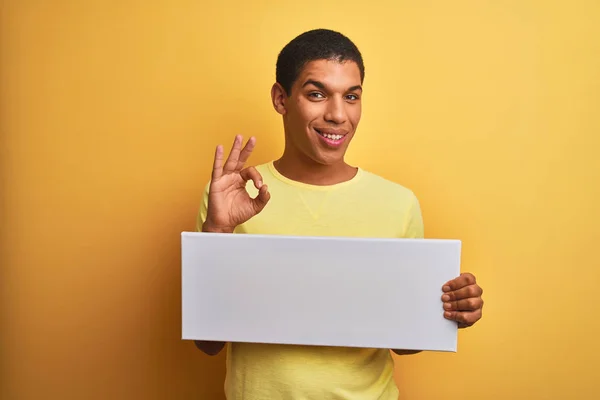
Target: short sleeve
point(414, 228)
point(201, 217)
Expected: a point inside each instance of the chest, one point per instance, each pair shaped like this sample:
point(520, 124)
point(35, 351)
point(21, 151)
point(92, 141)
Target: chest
point(327, 214)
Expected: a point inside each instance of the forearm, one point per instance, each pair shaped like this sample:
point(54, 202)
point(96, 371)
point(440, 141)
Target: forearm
point(405, 352)
point(210, 348)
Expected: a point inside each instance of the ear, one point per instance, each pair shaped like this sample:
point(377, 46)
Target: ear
point(278, 96)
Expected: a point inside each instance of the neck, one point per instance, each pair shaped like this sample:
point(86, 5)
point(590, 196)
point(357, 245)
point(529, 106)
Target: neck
point(298, 167)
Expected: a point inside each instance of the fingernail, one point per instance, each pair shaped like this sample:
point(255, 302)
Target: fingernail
point(447, 306)
point(447, 314)
point(446, 288)
point(445, 298)
point(259, 183)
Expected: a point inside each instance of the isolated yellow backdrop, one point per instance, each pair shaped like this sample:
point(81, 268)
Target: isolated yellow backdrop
point(110, 112)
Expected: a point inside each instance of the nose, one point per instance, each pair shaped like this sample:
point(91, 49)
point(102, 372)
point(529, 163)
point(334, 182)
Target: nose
point(336, 112)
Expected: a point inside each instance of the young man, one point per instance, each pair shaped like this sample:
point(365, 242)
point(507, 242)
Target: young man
point(311, 190)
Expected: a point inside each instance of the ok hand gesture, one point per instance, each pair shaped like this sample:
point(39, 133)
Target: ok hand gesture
point(229, 204)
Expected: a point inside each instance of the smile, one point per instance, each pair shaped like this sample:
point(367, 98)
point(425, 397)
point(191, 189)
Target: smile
point(332, 138)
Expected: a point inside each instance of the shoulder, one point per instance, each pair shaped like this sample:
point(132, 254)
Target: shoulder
point(394, 203)
point(380, 186)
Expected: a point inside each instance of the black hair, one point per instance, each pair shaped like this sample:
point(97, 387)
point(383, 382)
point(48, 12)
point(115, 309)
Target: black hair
point(317, 44)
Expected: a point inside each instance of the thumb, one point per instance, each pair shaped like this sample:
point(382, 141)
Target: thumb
point(261, 199)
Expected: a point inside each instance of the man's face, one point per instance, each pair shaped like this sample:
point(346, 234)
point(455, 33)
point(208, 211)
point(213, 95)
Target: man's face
point(324, 110)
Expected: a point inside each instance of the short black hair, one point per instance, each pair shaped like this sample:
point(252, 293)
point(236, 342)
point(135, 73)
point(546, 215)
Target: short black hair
point(316, 44)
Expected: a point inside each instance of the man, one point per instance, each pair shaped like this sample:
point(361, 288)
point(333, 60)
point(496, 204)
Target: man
point(311, 190)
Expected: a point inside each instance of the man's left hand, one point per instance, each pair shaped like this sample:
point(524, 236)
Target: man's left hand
point(462, 300)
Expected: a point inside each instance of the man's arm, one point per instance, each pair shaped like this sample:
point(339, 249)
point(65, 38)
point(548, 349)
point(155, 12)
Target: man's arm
point(208, 347)
point(231, 203)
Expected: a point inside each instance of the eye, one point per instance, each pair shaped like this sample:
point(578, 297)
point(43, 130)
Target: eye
point(352, 97)
point(316, 95)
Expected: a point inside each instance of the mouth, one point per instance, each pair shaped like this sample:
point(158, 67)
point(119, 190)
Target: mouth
point(331, 137)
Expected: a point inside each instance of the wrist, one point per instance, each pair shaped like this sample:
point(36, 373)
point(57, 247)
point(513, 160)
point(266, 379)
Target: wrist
point(212, 228)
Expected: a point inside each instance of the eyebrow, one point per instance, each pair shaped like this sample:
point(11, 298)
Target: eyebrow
point(320, 85)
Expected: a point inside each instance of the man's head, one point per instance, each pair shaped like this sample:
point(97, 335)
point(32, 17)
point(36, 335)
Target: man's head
point(318, 91)
point(318, 44)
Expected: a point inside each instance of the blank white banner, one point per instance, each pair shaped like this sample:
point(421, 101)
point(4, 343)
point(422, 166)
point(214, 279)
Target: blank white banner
point(352, 292)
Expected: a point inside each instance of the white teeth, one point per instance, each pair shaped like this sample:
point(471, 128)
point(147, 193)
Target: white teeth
point(332, 137)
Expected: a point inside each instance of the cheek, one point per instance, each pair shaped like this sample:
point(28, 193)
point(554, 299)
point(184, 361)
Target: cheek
point(354, 115)
point(307, 112)
point(299, 119)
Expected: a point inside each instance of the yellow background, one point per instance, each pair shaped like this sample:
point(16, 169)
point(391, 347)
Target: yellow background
point(110, 112)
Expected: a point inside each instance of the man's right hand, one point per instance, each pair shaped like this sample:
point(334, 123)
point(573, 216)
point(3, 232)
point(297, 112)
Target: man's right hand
point(229, 204)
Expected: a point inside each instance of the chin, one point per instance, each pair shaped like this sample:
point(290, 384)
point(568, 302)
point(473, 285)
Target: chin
point(328, 159)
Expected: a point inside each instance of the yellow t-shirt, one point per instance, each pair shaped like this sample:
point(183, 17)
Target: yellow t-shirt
point(365, 206)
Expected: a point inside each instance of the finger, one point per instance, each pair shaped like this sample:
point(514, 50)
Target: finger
point(252, 173)
point(232, 159)
point(218, 163)
point(463, 280)
point(246, 153)
point(463, 293)
point(261, 200)
point(464, 319)
point(470, 304)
